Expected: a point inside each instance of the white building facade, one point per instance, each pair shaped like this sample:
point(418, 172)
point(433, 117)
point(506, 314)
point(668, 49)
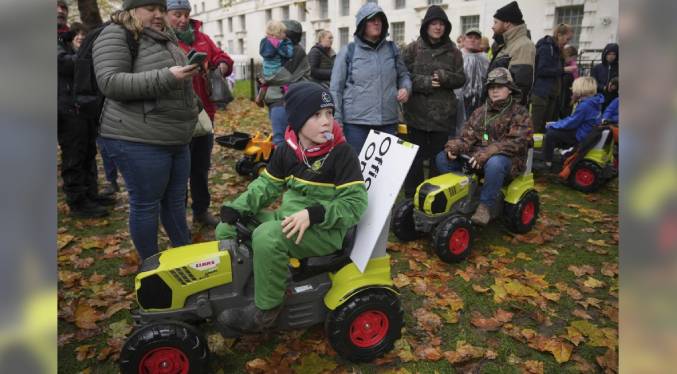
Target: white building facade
point(237, 26)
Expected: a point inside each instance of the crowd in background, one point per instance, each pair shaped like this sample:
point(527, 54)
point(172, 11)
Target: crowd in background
point(456, 97)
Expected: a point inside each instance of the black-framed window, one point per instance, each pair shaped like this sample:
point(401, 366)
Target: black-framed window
point(572, 16)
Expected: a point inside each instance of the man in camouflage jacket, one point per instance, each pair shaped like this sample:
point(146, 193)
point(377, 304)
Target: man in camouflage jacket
point(497, 136)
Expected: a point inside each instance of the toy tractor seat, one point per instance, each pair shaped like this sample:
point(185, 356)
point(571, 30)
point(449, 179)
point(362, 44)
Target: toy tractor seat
point(311, 266)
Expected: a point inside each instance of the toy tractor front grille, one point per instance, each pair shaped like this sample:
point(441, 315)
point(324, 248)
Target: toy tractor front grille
point(154, 293)
point(183, 275)
point(429, 191)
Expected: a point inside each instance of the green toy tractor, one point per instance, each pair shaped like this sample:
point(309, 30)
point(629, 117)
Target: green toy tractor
point(598, 166)
point(181, 287)
point(443, 205)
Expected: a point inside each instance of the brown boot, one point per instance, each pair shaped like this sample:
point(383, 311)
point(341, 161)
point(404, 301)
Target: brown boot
point(482, 215)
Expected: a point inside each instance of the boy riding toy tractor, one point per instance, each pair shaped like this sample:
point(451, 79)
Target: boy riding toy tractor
point(286, 269)
point(495, 180)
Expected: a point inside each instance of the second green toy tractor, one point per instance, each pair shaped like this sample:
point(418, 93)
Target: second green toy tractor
point(443, 205)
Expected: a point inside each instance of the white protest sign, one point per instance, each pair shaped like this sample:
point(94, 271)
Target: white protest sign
point(385, 160)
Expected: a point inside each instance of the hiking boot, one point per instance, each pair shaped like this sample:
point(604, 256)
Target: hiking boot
point(88, 209)
point(482, 215)
point(205, 219)
point(110, 190)
point(250, 319)
point(103, 199)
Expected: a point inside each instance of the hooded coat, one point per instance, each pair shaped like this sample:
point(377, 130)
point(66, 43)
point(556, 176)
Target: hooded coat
point(605, 71)
point(508, 128)
point(433, 108)
point(377, 72)
point(549, 68)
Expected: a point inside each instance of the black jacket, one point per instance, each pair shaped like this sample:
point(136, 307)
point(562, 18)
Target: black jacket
point(549, 66)
point(604, 72)
point(321, 62)
point(65, 68)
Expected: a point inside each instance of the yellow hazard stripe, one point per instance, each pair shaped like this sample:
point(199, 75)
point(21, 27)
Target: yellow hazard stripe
point(345, 185)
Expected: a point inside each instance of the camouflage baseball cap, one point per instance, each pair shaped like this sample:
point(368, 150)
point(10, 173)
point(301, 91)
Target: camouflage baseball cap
point(501, 76)
point(475, 31)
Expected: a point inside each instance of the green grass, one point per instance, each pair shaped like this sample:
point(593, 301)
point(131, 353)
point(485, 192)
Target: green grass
point(242, 89)
point(556, 200)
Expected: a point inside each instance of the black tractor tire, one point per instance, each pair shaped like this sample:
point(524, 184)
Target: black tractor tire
point(171, 345)
point(452, 239)
point(586, 176)
point(521, 217)
point(366, 326)
point(258, 168)
point(243, 167)
point(403, 221)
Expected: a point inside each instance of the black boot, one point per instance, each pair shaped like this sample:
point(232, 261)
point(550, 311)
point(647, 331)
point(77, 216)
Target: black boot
point(205, 219)
point(110, 190)
point(87, 209)
point(103, 199)
point(250, 319)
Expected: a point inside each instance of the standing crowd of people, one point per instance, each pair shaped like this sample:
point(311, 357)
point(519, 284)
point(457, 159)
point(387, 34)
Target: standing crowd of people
point(457, 98)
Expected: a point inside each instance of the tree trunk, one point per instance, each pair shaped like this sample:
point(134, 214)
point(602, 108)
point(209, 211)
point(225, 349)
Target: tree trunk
point(89, 13)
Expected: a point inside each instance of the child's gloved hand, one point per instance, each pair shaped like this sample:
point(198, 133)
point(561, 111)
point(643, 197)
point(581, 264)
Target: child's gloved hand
point(229, 215)
point(297, 222)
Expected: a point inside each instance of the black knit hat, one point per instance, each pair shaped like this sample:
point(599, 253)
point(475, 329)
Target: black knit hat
point(131, 4)
point(303, 100)
point(510, 13)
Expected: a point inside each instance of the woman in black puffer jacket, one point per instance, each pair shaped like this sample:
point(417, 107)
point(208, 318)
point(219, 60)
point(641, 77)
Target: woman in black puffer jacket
point(321, 58)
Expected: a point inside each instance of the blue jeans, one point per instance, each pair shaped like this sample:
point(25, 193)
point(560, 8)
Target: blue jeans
point(496, 169)
point(156, 177)
point(278, 119)
point(109, 167)
point(356, 135)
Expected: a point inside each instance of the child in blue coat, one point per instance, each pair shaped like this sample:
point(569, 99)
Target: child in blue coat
point(571, 130)
point(275, 49)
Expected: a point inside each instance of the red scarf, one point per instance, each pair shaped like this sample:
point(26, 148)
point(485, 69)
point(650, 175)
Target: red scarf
point(319, 150)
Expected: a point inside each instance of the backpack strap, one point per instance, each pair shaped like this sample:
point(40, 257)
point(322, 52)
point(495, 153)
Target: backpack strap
point(350, 53)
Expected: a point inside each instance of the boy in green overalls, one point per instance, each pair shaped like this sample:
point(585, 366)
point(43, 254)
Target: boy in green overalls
point(325, 196)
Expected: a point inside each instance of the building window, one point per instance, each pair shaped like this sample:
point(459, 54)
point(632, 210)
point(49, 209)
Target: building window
point(400, 4)
point(345, 7)
point(269, 14)
point(397, 32)
point(285, 12)
point(243, 23)
point(195, 8)
point(469, 22)
point(434, 2)
point(230, 24)
point(373, 1)
point(230, 46)
point(203, 6)
point(572, 16)
point(240, 46)
point(343, 36)
point(324, 9)
point(302, 12)
point(219, 24)
point(218, 43)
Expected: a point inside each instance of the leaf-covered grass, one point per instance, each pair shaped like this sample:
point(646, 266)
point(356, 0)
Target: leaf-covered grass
point(575, 229)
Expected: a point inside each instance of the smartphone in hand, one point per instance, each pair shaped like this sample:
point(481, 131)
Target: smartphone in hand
point(195, 57)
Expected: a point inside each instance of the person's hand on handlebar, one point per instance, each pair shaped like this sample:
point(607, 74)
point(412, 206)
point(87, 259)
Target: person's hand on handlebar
point(229, 215)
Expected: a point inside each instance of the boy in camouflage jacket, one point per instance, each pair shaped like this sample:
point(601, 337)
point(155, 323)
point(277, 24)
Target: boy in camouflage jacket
point(497, 136)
